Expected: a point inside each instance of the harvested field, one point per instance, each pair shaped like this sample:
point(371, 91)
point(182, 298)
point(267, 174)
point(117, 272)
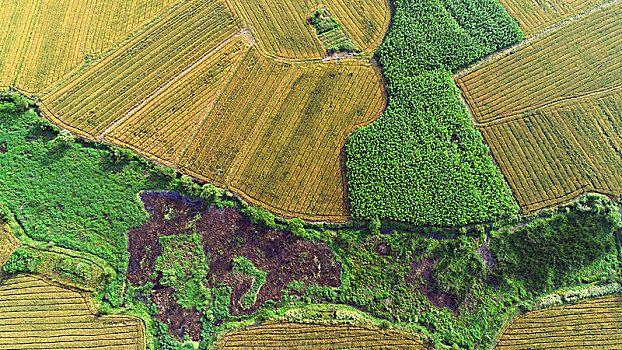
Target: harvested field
point(8, 243)
point(43, 40)
point(282, 29)
point(555, 153)
point(578, 59)
point(594, 323)
point(35, 314)
point(105, 93)
point(225, 234)
point(534, 16)
point(317, 337)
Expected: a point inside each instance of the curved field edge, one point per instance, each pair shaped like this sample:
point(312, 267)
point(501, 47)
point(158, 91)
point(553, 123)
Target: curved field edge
point(38, 287)
point(223, 156)
point(8, 242)
point(424, 162)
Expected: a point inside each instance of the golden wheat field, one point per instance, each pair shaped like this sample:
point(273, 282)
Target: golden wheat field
point(282, 30)
point(44, 40)
point(555, 153)
point(279, 143)
point(591, 324)
point(202, 96)
point(35, 314)
point(318, 337)
point(535, 16)
point(550, 111)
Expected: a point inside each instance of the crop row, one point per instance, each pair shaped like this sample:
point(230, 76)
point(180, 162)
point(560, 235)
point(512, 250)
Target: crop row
point(35, 314)
point(306, 336)
point(45, 40)
point(573, 61)
point(96, 99)
point(536, 16)
point(580, 325)
point(558, 152)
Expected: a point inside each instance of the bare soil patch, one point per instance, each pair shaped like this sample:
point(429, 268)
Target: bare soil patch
point(225, 234)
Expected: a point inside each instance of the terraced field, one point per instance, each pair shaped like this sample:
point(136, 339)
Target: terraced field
point(534, 16)
point(282, 29)
point(317, 337)
point(37, 315)
point(44, 40)
point(550, 112)
point(595, 324)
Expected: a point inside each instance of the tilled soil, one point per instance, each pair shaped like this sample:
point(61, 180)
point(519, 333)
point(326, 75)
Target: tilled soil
point(226, 233)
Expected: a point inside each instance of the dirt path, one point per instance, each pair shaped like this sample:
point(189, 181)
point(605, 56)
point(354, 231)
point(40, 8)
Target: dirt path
point(500, 54)
point(173, 80)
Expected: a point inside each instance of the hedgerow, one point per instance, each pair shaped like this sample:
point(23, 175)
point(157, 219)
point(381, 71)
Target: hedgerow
point(423, 162)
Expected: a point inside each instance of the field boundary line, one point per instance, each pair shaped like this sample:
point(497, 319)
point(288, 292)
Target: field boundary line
point(167, 84)
point(495, 56)
point(520, 114)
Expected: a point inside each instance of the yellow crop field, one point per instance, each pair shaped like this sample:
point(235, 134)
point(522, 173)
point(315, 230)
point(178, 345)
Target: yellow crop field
point(593, 324)
point(194, 90)
point(104, 94)
point(318, 337)
point(44, 40)
point(550, 111)
point(535, 16)
point(558, 152)
point(8, 243)
point(276, 133)
point(35, 314)
point(163, 126)
point(582, 58)
point(282, 29)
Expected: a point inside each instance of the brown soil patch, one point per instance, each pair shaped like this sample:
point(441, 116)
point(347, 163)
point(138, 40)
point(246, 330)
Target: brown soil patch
point(3, 149)
point(422, 270)
point(226, 233)
point(180, 321)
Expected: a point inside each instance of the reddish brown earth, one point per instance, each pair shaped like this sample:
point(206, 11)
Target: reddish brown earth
point(226, 233)
point(423, 269)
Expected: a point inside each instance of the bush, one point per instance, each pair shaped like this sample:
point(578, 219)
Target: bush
point(550, 251)
point(21, 260)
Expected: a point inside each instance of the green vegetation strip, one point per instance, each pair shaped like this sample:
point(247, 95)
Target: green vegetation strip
point(423, 162)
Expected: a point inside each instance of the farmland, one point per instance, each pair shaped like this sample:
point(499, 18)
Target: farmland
point(554, 153)
point(32, 59)
point(535, 16)
point(198, 113)
point(60, 318)
point(593, 323)
point(584, 51)
point(555, 138)
point(317, 337)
